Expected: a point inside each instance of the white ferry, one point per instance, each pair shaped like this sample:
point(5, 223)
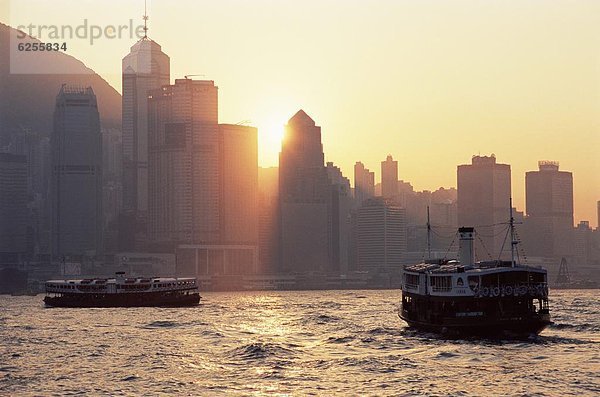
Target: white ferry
point(122, 291)
point(483, 298)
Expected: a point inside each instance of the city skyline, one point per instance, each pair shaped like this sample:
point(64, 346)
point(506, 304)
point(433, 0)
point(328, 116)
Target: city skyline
point(391, 197)
point(474, 96)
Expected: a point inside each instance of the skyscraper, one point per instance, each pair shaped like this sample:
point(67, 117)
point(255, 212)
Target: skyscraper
point(183, 164)
point(484, 193)
point(341, 204)
point(598, 215)
point(549, 206)
point(268, 220)
point(145, 68)
point(389, 178)
point(364, 183)
point(381, 235)
point(239, 184)
point(76, 187)
point(304, 198)
point(13, 205)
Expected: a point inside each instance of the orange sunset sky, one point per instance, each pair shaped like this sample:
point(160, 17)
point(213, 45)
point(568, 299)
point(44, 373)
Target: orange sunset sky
point(430, 82)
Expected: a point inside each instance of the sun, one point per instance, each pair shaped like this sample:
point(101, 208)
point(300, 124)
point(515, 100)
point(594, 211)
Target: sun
point(270, 135)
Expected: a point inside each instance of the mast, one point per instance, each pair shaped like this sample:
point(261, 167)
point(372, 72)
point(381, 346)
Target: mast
point(513, 242)
point(145, 17)
point(428, 235)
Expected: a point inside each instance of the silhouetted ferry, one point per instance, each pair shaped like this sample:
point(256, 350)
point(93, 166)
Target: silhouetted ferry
point(122, 291)
point(483, 298)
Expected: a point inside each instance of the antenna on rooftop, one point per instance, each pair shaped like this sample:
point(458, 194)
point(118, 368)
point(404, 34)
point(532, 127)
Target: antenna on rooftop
point(145, 17)
point(193, 75)
point(428, 235)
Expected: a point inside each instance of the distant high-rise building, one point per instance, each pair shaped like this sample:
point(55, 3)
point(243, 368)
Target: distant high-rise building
point(484, 191)
point(549, 206)
point(239, 184)
point(13, 205)
point(598, 214)
point(145, 68)
point(583, 243)
point(389, 178)
point(76, 186)
point(341, 205)
point(380, 235)
point(305, 198)
point(364, 183)
point(36, 149)
point(268, 219)
point(184, 178)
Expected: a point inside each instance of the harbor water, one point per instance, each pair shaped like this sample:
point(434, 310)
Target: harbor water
point(287, 343)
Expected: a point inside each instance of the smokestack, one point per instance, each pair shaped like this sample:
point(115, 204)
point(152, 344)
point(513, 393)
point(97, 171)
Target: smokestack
point(465, 246)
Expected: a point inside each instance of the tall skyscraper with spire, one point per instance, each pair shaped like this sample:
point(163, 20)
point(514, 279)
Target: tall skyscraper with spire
point(145, 68)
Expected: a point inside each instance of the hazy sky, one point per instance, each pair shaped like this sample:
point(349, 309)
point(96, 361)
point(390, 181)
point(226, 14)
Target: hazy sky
point(430, 82)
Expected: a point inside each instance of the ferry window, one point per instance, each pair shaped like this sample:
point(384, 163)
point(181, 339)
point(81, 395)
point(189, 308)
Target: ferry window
point(473, 282)
point(411, 280)
point(460, 282)
point(440, 283)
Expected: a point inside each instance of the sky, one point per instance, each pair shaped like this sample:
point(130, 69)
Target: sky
point(430, 82)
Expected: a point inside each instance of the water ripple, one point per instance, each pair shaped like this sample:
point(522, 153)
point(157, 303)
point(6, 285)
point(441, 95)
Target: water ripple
point(287, 343)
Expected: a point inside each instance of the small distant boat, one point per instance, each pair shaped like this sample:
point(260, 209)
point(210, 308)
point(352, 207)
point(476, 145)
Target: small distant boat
point(494, 298)
point(564, 280)
point(123, 291)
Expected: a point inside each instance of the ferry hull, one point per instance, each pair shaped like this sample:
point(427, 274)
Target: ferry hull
point(123, 300)
point(511, 328)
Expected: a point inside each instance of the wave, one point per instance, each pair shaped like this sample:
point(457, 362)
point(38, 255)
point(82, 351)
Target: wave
point(162, 324)
point(446, 355)
point(172, 324)
point(321, 319)
point(257, 351)
point(575, 327)
point(340, 339)
point(551, 339)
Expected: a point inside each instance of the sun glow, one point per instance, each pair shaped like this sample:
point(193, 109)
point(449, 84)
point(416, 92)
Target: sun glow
point(270, 135)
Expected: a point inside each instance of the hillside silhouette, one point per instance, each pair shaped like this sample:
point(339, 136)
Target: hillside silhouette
point(27, 100)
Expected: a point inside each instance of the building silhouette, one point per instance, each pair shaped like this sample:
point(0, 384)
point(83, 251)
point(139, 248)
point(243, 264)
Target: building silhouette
point(380, 235)
point(305, 198)
point(364, 183)
point(76, 185)
point(583, 244)
point(598, 215)
point(268, 220)
point(145, 68)
point(13, 206)
point(239, 184)
point(549, 207)
point(183, 159)
point(340, 207)
point(389, 178)
point(484, 191)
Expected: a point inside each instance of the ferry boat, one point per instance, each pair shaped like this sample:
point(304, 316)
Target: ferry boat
point(123, 291)
point(461, 297)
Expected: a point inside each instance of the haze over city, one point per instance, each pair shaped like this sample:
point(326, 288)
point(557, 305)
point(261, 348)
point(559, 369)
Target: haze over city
point(431, 83)
point(277, 197)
